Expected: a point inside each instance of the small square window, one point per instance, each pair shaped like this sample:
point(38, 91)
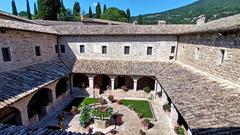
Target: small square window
point(104, 49)
point(82, 49)
point(222, 56)
point(56, 49)
point(173, 49)
point(149, 50)
point(126, 50)
point(37, 50)
point(171, 57)
point(62, 48)
point(6, 54)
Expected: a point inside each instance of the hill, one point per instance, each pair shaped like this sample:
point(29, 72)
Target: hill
point(213, 9)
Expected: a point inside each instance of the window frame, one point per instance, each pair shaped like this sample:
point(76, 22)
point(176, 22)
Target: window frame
point(80, 49)
point(150, 48)
point(126, 50)
point(104, 49)
point(62, 49)
point(9, 57)
point(173, 48)
point(222, 56)
point(37, 50)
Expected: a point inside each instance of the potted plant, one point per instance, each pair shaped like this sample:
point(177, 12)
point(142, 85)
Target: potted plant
point(111, 98)
point(142, 132)
point(179, 130)
point(167, 107)
point(120, 102)
point(147, 89)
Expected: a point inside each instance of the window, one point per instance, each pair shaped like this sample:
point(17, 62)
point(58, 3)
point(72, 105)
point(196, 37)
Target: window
point(173, 49)
point(6, 54)
point(171, 57)
point(197, 51)
point(56, 48)
point(222, 56)
point(37, 50)
point(82, 49)
point(62, 48)
point(104, 49)
point(149, 50)
point(126, 50)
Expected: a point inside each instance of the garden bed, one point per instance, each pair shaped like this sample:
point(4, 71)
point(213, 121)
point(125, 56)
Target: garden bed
point(140, 106)
point(78, 102)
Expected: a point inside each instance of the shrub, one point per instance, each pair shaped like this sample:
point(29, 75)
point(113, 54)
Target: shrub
point(147, 124)
point(179, 131)
point(120, 102)
point(142, 132)
point(167, 107)
point(131, 106)
point(140, 115)
point(125, 88)
point(147, 89)
point(111, 98)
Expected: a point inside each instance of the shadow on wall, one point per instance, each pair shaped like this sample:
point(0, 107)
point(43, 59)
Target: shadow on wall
point(228, 40)
point(217, 131)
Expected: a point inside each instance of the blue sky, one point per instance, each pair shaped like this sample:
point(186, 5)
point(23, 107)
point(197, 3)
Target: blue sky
point(136, 6)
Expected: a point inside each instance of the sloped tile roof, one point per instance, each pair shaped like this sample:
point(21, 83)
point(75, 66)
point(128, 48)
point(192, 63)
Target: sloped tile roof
point(206, 105)
point(18, 83)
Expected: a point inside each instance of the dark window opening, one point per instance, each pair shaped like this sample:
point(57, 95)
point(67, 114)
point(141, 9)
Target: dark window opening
point(222, 56)
point(82, 49)
point(62, 48)
point(149, 51)
point(171, 57)
point(173, 49)
point(6, 54)
point(104, 49)
point(126, 50)
point(56, 48)
point(37, 50)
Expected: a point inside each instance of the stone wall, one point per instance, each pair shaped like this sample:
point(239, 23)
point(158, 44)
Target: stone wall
point(204, 53)
point(22, 48)
point(161, 46)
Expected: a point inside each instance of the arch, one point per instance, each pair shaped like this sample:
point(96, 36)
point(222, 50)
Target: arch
point(10, 115)
point(145, 81)
point(39, 101)
point(102, 81)
point(80, 80)
point(124, 80)
point(61, 87)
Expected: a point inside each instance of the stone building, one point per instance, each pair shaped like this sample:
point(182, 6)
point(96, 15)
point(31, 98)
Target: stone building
point(196, 66)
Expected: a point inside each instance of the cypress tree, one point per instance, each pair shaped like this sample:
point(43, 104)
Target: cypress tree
point(104, 9)
point(28, 11)
point(76, 11)
point(98, 10)
point(43, 10)
point(90, 15)
point(14, 8)
point(35, 9)
point(62, 5)
point(128, 15)
point(140, 19)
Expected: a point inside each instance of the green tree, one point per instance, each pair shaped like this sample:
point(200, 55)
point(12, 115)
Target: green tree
point(90, 15)
point(115, 14)
point(62, 5)
point(43, 10)
point(23, 14)
point(98, 10)
point(14, 8)
point(35, 9)
point(65, 15)
point(128, 15)
point(28, 11)
point(104, 9)
point(140, 19)
point(76, 11)
point(48, 9)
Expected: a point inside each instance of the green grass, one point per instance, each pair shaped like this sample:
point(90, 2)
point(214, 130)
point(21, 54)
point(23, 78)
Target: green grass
point(88, 101)
point(140, 106)
point(77, 102)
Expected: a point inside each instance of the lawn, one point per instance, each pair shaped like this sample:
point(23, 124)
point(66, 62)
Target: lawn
point(77, 102)
point(140, 106)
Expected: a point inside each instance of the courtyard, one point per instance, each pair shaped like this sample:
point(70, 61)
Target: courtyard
point(134, 111)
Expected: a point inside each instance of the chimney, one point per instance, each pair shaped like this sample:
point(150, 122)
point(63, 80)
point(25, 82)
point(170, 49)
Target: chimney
point(201, 19)
point(162, 22)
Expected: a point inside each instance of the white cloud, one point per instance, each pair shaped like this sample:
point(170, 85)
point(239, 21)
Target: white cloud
point(95, 4)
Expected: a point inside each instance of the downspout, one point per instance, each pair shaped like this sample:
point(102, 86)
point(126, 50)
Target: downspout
point(176, 54)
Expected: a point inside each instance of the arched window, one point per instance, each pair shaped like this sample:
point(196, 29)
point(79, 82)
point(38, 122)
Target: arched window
point(61, 87)
point(102, 82)
point(10, 115)
point(80, 80)
point(124, 80)
point(145, 82)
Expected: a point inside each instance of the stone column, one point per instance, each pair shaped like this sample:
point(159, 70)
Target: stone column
point(112, 83)
point(135, 83)
point(91, 80)
point(24, 117)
